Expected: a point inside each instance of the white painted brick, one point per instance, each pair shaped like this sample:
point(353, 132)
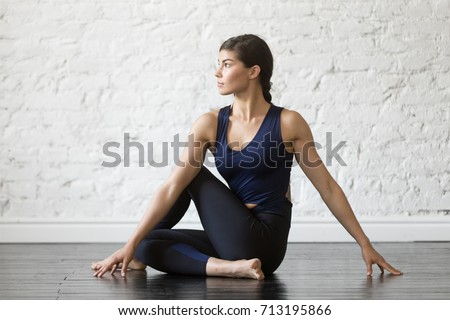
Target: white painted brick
point(395, 185)
point(352, 28)
point(19, 209)
point(17, 172)
point(54, 190)
point(442, 8)
point(395, 9)
point(394, 44)
point(294, 9)
point(418, 9)
point(423, 185)
point(77, 74)
point(443, 80)
point(329, 10)
point(392, 115)
point(21, 189)
point(4, 204)
point(22, 157)
point(443, 201)
point(361, 45)
point(97, 207)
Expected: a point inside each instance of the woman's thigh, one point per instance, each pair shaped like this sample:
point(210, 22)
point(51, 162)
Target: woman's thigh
point(234, 230)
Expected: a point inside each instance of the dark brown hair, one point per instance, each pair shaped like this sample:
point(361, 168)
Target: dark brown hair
point(252, 50)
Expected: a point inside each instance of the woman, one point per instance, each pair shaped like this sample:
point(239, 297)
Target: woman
point(245, 226)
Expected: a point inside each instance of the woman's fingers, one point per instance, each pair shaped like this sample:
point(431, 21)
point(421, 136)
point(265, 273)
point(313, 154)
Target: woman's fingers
point(97, 274)
point(369, 269)
point(371, 256)
point(114, 268)
point(383, 266)
point(125, 263)
point(97, 271)
point(101, 268)
point(112, 263)
point(390, 268)
point(102, 271)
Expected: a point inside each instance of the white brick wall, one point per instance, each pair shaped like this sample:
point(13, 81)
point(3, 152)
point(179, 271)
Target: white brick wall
point(77, 74)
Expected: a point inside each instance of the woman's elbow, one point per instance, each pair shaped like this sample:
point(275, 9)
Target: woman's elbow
point(330, 188)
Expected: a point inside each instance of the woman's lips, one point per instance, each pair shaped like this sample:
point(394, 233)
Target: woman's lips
point(219, 84)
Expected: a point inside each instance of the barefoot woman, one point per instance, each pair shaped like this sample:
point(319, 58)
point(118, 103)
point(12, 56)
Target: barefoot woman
point(246, 225)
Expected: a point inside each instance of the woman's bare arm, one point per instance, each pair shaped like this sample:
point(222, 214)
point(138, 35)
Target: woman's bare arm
point(182, 174)
point(299, 133)
point(184, 171)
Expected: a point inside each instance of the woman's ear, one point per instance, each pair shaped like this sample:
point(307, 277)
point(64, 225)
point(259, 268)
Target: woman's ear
point(254, 72)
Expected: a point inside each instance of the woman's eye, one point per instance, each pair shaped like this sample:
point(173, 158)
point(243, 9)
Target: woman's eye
point(227, 65)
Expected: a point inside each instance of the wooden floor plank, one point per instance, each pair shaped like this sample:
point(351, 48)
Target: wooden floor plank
point(310, 271)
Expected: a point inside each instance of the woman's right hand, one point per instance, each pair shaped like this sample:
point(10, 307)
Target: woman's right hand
point(120, 258)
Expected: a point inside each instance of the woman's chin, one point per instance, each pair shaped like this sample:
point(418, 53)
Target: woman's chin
point(224, 93)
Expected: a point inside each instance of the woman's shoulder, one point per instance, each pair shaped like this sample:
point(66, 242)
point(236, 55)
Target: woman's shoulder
point(292, 117)
point(206, 124)
point(209, 117)
point(292, 123)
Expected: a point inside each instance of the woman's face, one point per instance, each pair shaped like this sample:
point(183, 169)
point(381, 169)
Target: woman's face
point(232, 75)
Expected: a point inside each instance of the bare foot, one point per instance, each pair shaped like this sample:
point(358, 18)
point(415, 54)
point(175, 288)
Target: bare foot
point(236, 269)
point(249, 269)
point(133, 265)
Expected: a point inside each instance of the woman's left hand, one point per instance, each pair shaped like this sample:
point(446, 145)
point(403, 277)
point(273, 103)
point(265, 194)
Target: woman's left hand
point(371, 256)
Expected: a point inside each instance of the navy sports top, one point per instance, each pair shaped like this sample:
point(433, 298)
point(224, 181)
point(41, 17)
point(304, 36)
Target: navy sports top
point(260, 172)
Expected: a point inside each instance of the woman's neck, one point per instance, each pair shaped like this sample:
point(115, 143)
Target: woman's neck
point(247, 107)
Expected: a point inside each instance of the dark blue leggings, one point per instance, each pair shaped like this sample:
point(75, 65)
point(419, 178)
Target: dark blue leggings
point(231, 231)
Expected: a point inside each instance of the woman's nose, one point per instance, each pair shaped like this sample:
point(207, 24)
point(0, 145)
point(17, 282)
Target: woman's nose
point(218, 72)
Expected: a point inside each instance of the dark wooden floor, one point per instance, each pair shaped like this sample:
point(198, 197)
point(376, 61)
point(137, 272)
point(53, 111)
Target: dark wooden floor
point(310, 271)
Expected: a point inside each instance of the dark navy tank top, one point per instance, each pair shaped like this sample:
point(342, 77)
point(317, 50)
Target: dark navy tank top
point(260, 172)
